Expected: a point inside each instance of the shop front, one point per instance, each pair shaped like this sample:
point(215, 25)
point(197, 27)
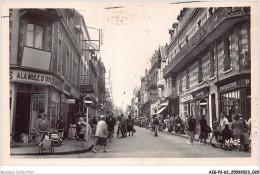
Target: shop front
point(201, 105)
point(235, 97)
point(29, 92)
point(195, 104)
point(186, 105)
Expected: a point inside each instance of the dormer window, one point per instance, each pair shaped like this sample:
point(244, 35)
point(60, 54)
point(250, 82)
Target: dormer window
point(210, 12)
point(199, 24)
point(187, 39)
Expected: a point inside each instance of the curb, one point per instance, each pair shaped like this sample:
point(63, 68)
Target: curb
point(57, 153)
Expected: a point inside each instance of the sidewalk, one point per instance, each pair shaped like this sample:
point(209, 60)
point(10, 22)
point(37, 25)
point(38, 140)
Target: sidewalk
point(68, 147)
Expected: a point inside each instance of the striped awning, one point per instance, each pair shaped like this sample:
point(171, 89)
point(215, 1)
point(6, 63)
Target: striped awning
point(161, 110)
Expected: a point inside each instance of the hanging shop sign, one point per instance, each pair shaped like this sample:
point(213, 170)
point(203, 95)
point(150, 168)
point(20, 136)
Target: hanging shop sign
point(71, 101)
point(66, 88)
point(200, 93)
point(185, 98)
point(32, 77)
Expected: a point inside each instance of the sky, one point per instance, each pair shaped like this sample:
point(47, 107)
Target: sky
point(131, 34)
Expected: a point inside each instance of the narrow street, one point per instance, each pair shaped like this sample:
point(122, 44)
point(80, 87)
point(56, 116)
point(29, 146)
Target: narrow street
point(145, 145)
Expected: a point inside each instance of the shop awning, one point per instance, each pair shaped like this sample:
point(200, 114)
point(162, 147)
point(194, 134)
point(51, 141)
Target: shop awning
point(161, 110)
point(164, 103)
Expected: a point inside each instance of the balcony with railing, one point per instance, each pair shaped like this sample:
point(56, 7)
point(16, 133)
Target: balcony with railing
point(214, 27)
point(87, 84)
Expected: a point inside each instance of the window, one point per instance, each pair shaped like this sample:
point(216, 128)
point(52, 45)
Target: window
point(60, 57)
point(64, 59)
point(187, 79)
point(34, 37)
point(199, 24)
point(212, 63)
point(173, 81)
point(68, 65)
point(200, 74)
point(68, 20)
point(227, 51)
point(180, 84)
point(210, 12)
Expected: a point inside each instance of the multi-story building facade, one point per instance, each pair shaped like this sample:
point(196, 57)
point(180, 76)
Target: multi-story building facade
point(208, 64)
point(47, 57)
point(145, 96)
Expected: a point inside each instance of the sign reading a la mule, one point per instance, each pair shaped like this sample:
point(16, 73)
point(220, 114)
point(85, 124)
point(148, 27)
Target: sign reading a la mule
point(33, 77)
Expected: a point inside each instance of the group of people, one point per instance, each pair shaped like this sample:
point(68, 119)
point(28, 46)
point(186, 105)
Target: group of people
point(104, 131)
point(238, 129)
point(234, 128)
point(125, 125)
point(42, 126)
point(171, 124)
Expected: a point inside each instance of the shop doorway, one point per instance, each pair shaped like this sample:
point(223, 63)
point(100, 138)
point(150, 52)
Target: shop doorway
point(38, 103)
point(22, 119)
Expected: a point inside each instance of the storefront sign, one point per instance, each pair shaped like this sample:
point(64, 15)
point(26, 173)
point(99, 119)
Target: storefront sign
point(31, 77)
point(186, 98)
point(75, 93)
point(154, 95)
point(200, 93)
point(71, 101)
point(235, 84)
point(228, 86)
point(66, 88)
point(245, 81)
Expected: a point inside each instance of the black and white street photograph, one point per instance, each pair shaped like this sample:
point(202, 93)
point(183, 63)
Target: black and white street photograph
point(142, 80)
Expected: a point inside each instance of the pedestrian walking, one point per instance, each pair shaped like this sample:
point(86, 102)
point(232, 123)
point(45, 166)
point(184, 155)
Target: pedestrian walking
point(156, 125)
point(123, 126)
point(110, 126)
point(60, 125)
point(237, 127)
point(130, 125)
point(94, 126)
point(191, 129)
point(203, 129)
point(101, 134)
point(223, 120)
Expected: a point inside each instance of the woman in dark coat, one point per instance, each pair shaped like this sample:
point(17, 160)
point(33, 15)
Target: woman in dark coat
point(203, 129)
point(123, 126)
point(130, 125)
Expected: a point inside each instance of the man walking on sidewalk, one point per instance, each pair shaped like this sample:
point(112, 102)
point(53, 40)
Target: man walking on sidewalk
point(101, 134)
point(110, 126)
point(191, 129)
